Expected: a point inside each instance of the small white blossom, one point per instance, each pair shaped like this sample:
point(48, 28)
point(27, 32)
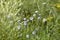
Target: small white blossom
point(18, 20)
point(8, 16)
point(44, 3)
point(25, 23)
point(38, 17)
point(27, 36)
point(33, 32)
point(31, 18)
point(44, 20)
point(36, 11)
point(18, 27)
point(37, 28)
point(24, 19)
point(34, 15)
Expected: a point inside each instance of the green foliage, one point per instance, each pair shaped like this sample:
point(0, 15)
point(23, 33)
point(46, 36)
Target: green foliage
point(25, 20)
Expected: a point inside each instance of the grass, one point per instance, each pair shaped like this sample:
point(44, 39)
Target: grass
point(29, 20)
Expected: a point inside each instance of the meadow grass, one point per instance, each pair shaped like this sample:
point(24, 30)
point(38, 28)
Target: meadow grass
point(29, 20)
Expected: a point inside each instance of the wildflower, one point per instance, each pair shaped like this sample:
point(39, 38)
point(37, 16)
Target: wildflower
point(18, 27)
point(57, 5)
point(8, 16)
point(36, 11)
point(18, 20)
point(24, 19)
point(34, 15)
point(33, 32)
point(25, 23)
point(44, 20)
point(38, 17)
point(44, 3)
point(31, 18)
point(27, 36)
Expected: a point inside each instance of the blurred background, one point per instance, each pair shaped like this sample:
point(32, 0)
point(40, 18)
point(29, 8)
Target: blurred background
point(29, 19)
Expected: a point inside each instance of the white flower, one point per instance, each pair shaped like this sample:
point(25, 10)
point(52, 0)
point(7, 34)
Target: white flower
point(33, 32)
point(34, 15)
point(37, 28)
point(25, 23)
point(36, 11)
point(8, 16)
point(27, 36)
point(31, 18)
point(18, 20)
point(38, 17)
point(18, 27)
point(44, 3)
point(24, 19)
point(44, 20)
